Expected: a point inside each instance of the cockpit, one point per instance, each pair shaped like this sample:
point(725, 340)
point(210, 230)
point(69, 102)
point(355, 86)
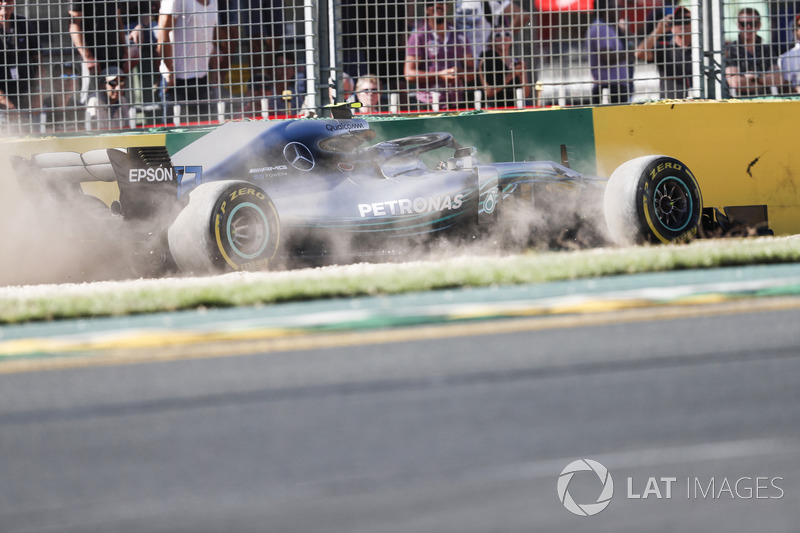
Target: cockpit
point(347, 142)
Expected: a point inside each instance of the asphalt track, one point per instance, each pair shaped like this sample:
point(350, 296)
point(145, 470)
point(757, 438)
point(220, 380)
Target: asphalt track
point(449, 426)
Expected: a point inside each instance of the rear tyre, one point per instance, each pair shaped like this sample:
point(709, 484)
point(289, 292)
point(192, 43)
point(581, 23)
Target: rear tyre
point(226, 226)
point(652, 199)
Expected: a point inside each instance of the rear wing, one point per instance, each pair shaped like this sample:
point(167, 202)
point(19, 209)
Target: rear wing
point(62, 171)
point(145, 176)
point(148, 182)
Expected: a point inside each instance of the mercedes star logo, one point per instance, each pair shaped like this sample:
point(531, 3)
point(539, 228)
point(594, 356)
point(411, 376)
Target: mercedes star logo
point(299, 156)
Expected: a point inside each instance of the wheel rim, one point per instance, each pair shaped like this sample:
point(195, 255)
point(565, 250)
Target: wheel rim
point(248, 230)
point(672, 203)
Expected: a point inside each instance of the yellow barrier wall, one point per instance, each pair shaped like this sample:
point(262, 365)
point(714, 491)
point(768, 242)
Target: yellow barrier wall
point(742, 153)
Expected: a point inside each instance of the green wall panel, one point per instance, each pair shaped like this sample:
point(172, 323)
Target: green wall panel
point(504, 136)
point(536, 134)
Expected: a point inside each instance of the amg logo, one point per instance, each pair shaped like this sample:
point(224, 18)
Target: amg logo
point(406, 206)
point(268, 169)
point(151, 174)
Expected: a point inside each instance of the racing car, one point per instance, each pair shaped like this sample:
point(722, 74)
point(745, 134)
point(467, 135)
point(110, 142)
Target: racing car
point(258, 195)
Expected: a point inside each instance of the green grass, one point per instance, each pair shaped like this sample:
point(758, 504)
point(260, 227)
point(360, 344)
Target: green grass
point(20, 304)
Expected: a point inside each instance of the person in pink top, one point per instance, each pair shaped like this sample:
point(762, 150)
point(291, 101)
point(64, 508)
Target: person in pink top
point(438, 60)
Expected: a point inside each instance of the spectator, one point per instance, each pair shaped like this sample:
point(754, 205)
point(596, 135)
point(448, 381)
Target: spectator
point(637, 18)
point(368, 92)
point(282, 96)
point(355, 41)
point(262, 21)
point(478, 19)
point(139, 19)
point(438, 60)
point(730, 16)
point(609, 60)
point(97, 33)
point(502, 74)
point(109, 109)
point(186, 35)
point(229, 71)
point(374, 36)
point(783, 22)
point(20, 74)
point(751, 69)
point(789, 63)
point(672, 55)
point(348, 89)
point(62, 105)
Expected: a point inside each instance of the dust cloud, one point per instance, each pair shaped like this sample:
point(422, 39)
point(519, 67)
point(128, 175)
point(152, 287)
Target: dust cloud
point(43, 244)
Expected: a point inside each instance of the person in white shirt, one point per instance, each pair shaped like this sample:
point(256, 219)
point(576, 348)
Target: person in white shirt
point(186, 33)
point(789, 63)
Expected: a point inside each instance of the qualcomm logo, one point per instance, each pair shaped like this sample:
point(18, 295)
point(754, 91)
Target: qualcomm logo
point(586, 509)
point(299, 156)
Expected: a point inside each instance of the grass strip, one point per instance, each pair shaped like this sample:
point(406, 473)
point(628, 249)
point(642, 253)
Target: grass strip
point(49, 302)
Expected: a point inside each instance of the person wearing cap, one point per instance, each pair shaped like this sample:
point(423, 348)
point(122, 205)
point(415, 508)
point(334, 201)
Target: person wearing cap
point(19, 65)
point(109, 109)
point(751, 69)
point(439, 62)
point(789, 63)
point(669, 46)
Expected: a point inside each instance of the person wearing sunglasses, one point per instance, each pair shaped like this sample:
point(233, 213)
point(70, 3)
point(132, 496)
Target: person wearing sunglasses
point(109, 109)
point(789, 63)
point(751, 69)
point(368, 92)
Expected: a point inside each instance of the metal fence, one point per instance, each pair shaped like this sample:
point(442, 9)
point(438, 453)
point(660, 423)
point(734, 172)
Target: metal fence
point(103, 65)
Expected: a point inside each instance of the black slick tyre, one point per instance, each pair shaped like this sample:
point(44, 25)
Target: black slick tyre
point(226, 226)
point(652, 199)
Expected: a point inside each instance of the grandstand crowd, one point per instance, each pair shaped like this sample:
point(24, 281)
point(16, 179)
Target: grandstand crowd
point(114, 65)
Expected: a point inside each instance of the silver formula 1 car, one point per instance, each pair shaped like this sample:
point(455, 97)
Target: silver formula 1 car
point(252, 195)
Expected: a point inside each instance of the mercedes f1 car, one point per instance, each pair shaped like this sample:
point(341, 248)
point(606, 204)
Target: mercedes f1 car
point(252, 195)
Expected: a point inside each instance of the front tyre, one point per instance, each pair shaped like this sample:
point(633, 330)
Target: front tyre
point(227, 225)
point(652, 199)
